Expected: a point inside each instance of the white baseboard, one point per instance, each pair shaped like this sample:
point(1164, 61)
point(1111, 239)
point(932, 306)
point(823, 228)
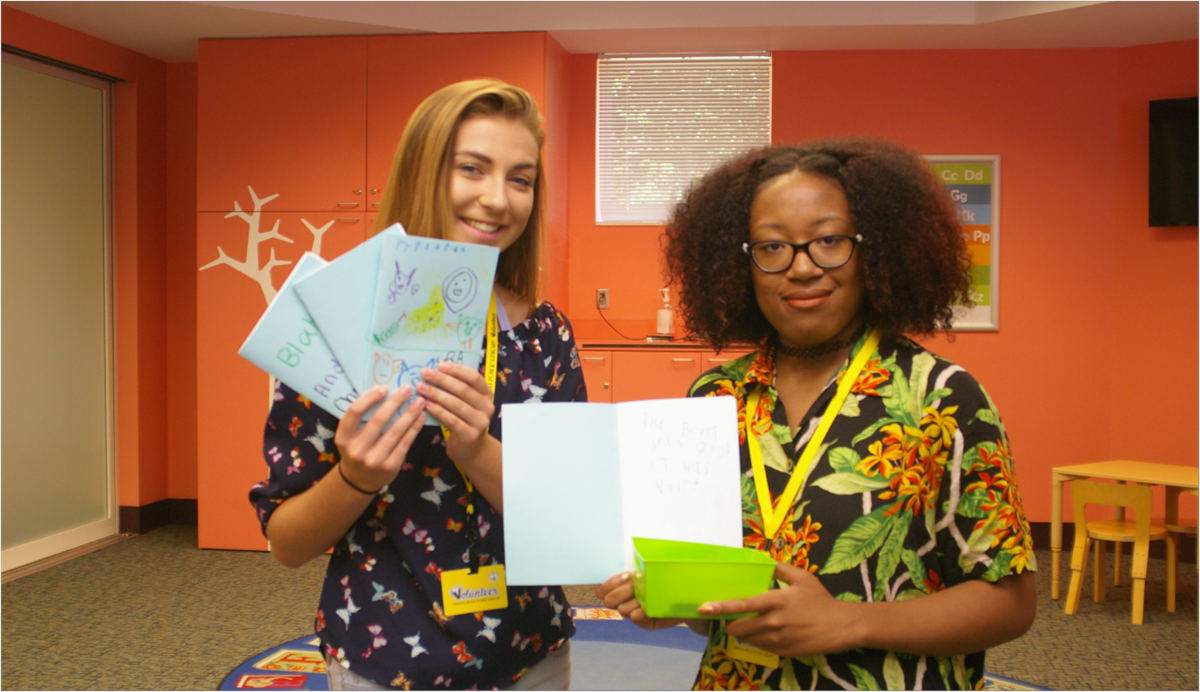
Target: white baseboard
point(21, 555)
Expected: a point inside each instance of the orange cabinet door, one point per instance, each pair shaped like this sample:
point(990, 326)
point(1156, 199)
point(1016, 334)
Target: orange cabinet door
point(236, 278)
point(597, 373)
point(286, 117)
point(402, 71)
point(639, 375)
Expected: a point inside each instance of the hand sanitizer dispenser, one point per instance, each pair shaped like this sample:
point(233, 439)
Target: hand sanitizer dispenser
point(666, 318)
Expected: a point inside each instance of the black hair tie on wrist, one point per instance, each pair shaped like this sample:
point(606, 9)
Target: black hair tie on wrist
point(364, 492)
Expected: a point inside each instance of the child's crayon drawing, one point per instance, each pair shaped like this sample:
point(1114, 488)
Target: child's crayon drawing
point(428, 317)
point(459, 289)
point(402, 283)
point(469, 330)
point(395, 372)
point(431, 305)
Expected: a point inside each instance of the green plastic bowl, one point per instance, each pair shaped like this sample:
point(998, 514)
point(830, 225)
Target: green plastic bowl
point(674, 578)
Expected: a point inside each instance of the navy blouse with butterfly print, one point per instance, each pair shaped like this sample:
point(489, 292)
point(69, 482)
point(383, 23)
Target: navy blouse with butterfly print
point(380, 610)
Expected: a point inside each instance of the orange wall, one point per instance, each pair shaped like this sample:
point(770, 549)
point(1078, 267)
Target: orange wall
point(1154, 346)
point(557, 156)
point(1078, 263)
point(623, 259)
point(1083, 282)
point(181, 280)
point(139, 240)
point(230, 396)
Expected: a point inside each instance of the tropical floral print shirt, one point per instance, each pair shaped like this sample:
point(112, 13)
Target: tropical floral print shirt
point(380, 612)
point(912, 492)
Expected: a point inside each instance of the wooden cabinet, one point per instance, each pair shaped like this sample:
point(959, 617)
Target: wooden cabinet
point(303, 122)
point(597, 373)
point(286, 117)
point(397, 82)
point(232, 396)
point(649, 374)
point(652, 372)
point(712, 359)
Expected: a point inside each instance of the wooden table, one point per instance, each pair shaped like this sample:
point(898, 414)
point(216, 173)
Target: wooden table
point(1175, 478)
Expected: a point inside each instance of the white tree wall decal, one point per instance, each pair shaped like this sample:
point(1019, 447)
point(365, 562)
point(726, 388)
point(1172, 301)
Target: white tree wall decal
point(250, 267)
point(317, 233)
point(255, 237)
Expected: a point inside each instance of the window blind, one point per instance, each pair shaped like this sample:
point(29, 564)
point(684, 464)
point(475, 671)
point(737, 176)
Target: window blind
point(664, 121)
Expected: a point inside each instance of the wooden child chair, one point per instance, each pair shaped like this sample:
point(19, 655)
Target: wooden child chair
point(1139, 532)
point(1182, 526)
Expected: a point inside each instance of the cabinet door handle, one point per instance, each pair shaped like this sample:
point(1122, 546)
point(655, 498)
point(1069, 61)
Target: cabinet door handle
point(347, 219)
point(718, 360)
point(593, 358)
point(683, 360)
point(374, 204)
point(606, 385)
point(347, 204)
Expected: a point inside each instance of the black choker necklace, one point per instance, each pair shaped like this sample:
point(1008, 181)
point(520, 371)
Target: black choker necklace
point(826, 348)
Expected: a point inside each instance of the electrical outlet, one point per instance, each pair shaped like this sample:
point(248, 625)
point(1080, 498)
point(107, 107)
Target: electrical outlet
point(602, 298)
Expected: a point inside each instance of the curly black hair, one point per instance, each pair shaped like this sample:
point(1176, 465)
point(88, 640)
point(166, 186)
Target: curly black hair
point(913, 257)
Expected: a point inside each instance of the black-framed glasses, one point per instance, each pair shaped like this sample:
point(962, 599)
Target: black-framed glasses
point(827, 252)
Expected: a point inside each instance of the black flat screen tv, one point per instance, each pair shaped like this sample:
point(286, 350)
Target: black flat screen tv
point(1173, 146)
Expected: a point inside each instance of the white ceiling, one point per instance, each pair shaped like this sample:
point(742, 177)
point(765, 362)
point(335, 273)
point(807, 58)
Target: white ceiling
point(169, 30)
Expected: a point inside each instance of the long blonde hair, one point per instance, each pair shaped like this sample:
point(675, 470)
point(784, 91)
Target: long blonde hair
point(416, 193)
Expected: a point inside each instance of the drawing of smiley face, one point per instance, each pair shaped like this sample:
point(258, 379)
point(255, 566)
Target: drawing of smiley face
point(382, 369)
point(459, 289)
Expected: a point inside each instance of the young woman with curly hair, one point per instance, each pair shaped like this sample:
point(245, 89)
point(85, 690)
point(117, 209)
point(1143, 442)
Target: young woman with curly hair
point(877, 475)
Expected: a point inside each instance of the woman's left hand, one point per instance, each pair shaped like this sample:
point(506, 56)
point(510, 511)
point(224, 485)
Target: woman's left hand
point(459, 398)
point(617, 593)
point(802, 619)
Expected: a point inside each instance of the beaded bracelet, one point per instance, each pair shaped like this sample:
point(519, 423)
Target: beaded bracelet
point(364, 492)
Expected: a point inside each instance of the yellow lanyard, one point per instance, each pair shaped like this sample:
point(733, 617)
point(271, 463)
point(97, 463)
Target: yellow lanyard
point(489, 375)
point(774, 512)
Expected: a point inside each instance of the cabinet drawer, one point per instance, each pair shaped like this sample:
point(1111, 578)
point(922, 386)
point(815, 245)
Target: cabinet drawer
point(653, 375)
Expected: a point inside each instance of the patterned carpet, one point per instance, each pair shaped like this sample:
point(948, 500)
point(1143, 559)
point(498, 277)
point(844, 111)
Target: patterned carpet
point(607, 653)
point(155, 612)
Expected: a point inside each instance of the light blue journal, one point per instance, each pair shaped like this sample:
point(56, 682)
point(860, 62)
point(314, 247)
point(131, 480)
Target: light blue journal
point(287, 344)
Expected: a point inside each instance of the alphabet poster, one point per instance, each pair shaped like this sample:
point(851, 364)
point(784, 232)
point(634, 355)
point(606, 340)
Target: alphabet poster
point(974, 184)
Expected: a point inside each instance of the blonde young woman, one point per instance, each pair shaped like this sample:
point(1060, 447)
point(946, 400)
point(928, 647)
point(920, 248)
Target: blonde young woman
point(404, 506)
